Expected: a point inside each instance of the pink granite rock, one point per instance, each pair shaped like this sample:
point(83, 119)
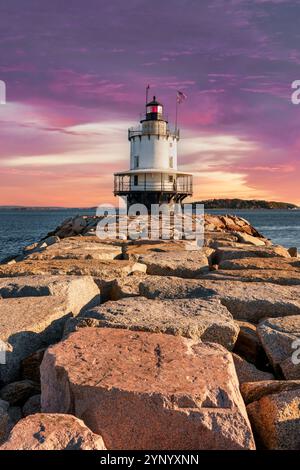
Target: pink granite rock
point(143, 390)
point(52, 432)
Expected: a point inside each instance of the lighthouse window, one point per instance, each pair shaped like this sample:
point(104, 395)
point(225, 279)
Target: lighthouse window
point(136, 180)
point(171, 162)
point(136, 161)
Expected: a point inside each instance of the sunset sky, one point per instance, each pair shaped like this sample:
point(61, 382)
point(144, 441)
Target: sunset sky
point(76, 74)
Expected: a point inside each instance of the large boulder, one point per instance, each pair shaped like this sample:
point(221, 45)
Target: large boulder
point(33, 312)
point(280, 339)
point(246, 301)
point(192, 318)
point(52, 432)
point(276, 419)
point(143, 390)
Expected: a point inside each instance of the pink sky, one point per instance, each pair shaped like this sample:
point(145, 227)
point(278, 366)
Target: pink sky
point(76, 78)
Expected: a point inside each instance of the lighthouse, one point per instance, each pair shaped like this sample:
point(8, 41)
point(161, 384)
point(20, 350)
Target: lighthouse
point(153, 177)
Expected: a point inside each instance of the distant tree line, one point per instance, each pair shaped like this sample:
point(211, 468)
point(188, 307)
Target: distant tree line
point(244, 204)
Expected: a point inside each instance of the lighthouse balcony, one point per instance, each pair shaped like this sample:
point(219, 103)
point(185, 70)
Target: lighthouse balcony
point(139, 131)
point(153, 181)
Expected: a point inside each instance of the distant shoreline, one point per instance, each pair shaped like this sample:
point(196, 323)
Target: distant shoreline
point(243, 204)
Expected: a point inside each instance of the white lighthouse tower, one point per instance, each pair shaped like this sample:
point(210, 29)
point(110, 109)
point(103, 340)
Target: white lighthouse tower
point(153, 177)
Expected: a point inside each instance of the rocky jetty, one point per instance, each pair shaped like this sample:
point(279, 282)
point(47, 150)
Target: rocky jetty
point(150, 344)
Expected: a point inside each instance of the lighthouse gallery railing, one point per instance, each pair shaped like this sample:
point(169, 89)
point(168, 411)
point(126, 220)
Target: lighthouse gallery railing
point(183, 184)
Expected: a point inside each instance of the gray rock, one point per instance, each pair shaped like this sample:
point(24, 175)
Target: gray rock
point(32, 405)
point(250, 301)
point(16, 393)
point(4, 419)
point(33, 313)
point(15, 414)
point(192, 318)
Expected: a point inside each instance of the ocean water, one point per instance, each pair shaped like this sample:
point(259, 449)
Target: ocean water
point(19, 228)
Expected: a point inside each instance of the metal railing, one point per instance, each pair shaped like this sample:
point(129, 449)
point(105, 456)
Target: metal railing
point(138, 131)
point(182, 185)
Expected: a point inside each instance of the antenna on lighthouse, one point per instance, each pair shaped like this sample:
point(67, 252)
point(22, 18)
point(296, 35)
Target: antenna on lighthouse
point(147, 93)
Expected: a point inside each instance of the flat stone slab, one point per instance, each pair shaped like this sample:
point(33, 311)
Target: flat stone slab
point(138, 248)
point(269, 264)
point(36, 319)
point(277, 336)
point(193, 318)
point(230, 253)
point(117, 380)
point(105, 270)
point(187, 264)
point(77, 248)
point(249, 301)
point(52, 432)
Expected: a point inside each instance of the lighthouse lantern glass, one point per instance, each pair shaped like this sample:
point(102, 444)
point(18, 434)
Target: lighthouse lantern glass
point(155, 109)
